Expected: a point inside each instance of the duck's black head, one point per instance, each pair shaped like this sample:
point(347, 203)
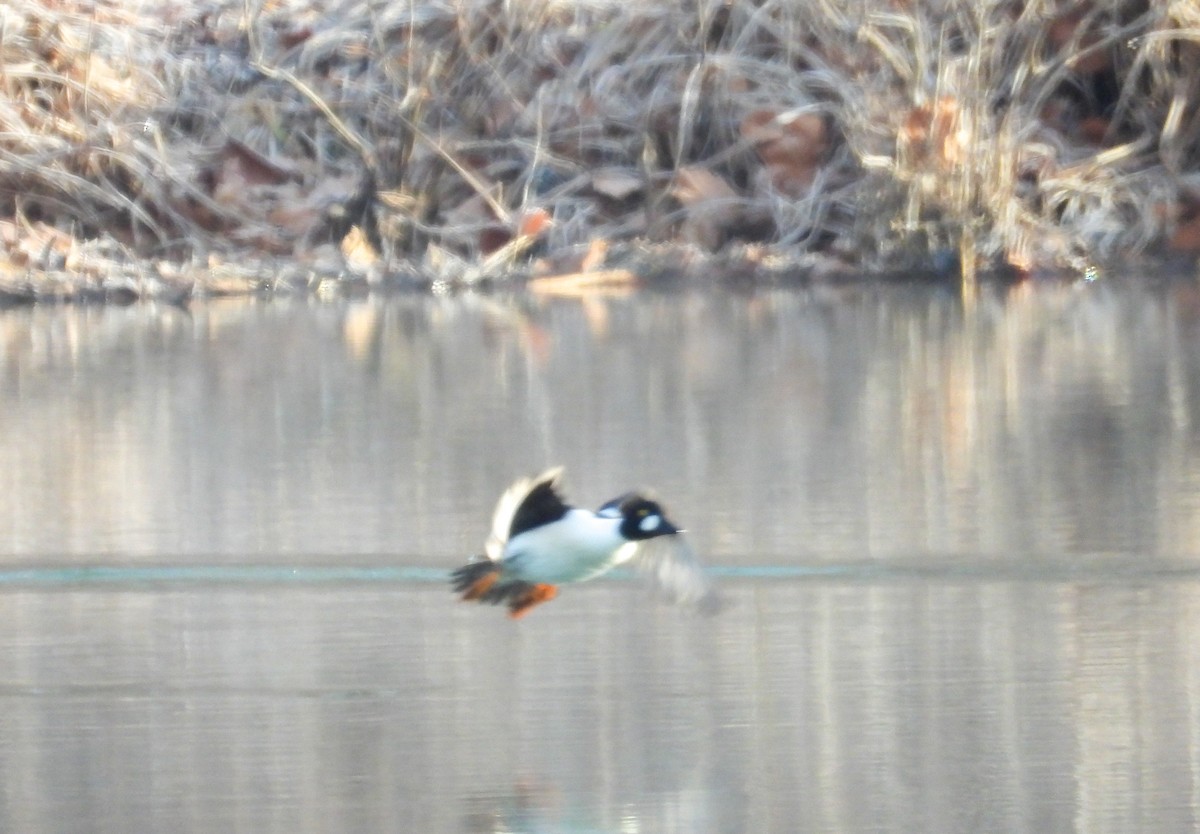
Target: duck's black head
point(641, 517)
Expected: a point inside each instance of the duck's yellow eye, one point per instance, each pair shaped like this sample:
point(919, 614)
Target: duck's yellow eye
point(643, 511)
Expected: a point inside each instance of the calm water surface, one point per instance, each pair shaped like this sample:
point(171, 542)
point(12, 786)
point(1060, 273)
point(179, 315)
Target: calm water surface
point(961, 551)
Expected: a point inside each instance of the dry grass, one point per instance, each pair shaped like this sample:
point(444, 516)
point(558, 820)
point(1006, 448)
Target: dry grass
point(285, 143)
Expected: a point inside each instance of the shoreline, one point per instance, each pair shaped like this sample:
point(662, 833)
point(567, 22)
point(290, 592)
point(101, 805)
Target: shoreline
point(222, 148)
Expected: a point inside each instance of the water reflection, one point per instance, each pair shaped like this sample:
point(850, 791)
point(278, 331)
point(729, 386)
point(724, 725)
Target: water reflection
point(781, 426)
point(989, 515)
point(807, 707)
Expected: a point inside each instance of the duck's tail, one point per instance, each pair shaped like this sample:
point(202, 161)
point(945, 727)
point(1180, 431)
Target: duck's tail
point(474, 579)
point(482, 581)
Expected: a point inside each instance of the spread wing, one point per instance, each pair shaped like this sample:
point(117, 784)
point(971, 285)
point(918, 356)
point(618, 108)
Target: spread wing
point(672, 566)
point(528, 503)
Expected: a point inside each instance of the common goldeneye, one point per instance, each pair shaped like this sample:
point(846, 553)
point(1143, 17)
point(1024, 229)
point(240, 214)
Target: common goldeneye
point(538, 542)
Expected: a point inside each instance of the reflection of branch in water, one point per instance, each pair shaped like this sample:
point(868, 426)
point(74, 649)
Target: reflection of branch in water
point(530, 807)
point(538, 808)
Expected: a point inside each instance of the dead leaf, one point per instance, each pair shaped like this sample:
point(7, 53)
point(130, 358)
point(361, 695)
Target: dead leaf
point(581, 284)
point(1095, 129)
point(400, 201)
point(713, 207)
point(792, 147)
point(10, 233)
point(239, 171)
point(616, 183)
point(1063, 31)
point(102, 78)
point(38, 243)
point(254, 167)
point(534, 223)
point(931, 131)
point(475, 214)
point(297, 218)
point(360, 255)
point(473, 211)
point(1186, 237)
point(493, 238)
point(596, 254)
point(293, 37)
point(503, 245)
point(696, 186)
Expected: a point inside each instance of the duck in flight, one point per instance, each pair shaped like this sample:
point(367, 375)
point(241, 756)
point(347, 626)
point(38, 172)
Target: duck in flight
point(538, 542)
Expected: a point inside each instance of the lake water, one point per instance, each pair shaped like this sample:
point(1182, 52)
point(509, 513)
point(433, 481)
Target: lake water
point(960, 548)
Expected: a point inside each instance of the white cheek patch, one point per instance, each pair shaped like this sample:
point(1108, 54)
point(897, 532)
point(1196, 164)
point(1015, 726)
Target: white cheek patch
point(650, 522)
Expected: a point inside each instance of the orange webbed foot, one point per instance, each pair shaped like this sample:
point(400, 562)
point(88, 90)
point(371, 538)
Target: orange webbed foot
point(536, 595)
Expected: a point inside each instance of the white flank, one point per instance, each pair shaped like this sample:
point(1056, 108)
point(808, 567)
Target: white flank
point(581, 545)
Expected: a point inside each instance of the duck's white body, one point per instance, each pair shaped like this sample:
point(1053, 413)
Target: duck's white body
point(579, 546)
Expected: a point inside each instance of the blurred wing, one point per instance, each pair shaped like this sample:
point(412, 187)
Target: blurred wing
point(672, 566)
point(525, 504)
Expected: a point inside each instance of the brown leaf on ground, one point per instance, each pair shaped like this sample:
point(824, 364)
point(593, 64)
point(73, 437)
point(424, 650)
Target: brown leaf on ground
point(713, 207)
point(583, 284)
point(119, 86)
point(9, 234)
point(792, 146)
point(33, 243)
point(1021, 261)
point(696, 186)
point(569, 261)
point(360, 255)
point(472, 211)
point(262, 238)
point(295, 35)
point(932, 130)
point(493, 238)
point(253, 167)
point(503, 246)
point(616, 183)
point(596, 254)
point(300, 211)
point(1095, 129)
point(297, 217)
point(1064, 31)
point(241, 173)
point(1186, 237)
point(475, 217)
point(534, 223)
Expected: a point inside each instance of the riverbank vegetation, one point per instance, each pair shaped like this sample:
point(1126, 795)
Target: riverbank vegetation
point(164, 149)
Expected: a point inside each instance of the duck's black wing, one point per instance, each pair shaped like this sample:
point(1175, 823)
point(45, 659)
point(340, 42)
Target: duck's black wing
point(528, 503)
